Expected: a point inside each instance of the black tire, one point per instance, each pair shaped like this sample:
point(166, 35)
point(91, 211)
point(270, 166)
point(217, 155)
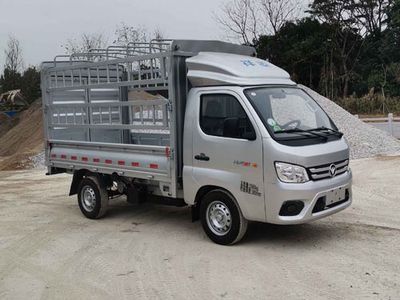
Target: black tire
point(221, 218)
point(93, 188)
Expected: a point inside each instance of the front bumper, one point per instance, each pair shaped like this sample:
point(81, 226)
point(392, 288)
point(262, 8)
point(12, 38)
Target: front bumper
point(278, 193)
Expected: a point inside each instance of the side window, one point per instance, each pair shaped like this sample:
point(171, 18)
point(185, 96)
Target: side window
point(222, 115)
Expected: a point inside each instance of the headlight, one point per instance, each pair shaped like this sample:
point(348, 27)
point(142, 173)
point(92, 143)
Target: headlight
point(291, 173)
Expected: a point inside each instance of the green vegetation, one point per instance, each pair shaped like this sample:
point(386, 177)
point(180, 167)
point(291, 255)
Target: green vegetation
point(28, 82)
point(347, 50)
point(15, 77)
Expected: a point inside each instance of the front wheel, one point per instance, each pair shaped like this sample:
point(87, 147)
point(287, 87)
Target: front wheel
point(92, 198)
point(221, 218)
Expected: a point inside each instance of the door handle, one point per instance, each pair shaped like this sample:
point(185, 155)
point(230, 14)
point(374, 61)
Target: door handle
point(202, 156)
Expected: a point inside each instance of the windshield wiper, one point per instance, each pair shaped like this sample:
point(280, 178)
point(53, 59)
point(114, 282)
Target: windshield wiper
point(332, 131)
point(301, 131)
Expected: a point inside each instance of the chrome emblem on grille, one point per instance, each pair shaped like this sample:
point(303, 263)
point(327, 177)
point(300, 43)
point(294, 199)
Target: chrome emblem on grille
point(332, 170)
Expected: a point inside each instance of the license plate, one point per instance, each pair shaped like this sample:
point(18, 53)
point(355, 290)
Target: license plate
point(335, 195)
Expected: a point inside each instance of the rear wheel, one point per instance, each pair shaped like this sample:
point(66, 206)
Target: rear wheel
point(221, 218)
point(92, 198)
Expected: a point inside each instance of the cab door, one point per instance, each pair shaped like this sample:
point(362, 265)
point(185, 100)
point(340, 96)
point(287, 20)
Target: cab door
point(227, 150)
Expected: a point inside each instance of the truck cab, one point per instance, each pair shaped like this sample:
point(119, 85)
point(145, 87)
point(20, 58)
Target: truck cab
point(204, 124)
point(252, 132)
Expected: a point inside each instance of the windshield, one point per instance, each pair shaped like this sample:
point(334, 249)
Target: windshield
point(290, 113)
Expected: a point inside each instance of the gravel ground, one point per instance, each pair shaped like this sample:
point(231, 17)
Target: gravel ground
point(48, 250)
point(37, 161)
point(365, 140)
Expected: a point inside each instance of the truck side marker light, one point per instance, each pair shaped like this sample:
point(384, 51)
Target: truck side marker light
point(108, 161)
point(121, 163)
point(153, 166)
point(135, 164)
point(63, 156)
point(84, 158)
point(96, 160)
point(53, 156)
point(74, 157)
point(167, 152)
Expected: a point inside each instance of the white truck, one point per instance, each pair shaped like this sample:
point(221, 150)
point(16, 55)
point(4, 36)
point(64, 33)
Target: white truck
point(199, 123)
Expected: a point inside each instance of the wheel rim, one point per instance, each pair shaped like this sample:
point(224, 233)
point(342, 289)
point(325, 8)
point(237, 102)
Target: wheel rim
point(219, 218)
point(88, 197)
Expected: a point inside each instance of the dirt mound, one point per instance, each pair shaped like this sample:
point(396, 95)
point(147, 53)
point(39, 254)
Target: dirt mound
point(6, 123)
point(23, 139)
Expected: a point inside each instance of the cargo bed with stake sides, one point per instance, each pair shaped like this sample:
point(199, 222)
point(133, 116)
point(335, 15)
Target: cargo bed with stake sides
point(198, 123)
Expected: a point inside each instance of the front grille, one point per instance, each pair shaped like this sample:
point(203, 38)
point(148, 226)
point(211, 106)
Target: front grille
point(323, 171)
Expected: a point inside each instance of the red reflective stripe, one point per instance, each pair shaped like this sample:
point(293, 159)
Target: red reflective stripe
point(153, 166)
point(135, 164)
point(84, 159)
point(121, 162)
point(74, 158)
point(63, 156)
point(108, 161)
point(167, 152)
point(96, 160)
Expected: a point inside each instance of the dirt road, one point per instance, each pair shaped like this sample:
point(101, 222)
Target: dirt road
point(49, 251)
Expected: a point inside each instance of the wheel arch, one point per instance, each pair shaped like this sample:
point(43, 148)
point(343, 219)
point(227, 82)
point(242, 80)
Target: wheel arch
point(201, 192)
point(82, 173)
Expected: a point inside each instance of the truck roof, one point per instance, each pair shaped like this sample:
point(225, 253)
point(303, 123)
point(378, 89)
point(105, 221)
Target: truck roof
point(209, 63)
point(217, 68)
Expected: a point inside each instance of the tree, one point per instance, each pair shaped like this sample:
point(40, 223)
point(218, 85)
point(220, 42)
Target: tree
point(13, 55)
point(28, 83)
point(240, 19)
point(247, 20)
point(85, 43)
point(380, 55)
point(302, 49)
point(10, 80)
point(371, 14)
point(346, 37)
point(125, 34)
point(391, 37)
point(30, 86)
point(279, 12)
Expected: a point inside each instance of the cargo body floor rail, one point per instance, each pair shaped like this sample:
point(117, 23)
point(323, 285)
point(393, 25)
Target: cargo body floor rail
point(138, 161)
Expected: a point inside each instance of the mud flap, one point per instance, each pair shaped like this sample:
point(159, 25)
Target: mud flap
point(195, 213)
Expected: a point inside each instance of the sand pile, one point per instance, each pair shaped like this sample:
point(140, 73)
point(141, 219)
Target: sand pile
point(23, 140)
point(6, 123)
